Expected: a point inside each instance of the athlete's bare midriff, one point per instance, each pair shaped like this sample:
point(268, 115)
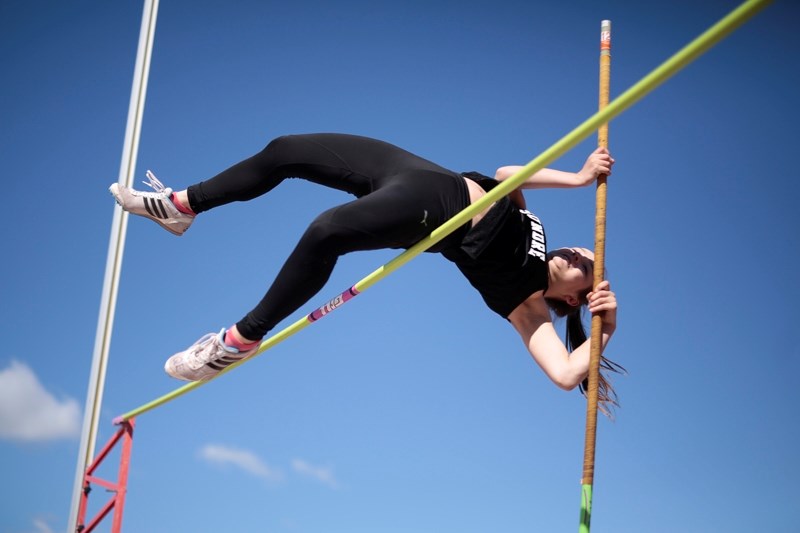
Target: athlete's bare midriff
point(476, 192)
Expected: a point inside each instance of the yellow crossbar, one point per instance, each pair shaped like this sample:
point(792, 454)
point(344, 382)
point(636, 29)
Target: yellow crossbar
point(662, 73)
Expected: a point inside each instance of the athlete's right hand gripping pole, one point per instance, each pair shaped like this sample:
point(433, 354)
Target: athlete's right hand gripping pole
point(587, 481)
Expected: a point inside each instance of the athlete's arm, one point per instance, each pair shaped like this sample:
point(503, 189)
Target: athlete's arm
point(532, 321)
point(598, 163)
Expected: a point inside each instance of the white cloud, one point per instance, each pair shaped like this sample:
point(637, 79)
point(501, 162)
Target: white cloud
point(28, 412)
point(41, 526)
point(322, 474)
point(243, 459)
point(254, 465)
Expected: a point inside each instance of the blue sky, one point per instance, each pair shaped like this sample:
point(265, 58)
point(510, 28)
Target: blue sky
point(413, 408)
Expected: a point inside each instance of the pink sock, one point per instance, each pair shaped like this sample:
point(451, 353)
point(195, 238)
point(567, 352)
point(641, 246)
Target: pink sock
point(180, 207)
point(231, 341)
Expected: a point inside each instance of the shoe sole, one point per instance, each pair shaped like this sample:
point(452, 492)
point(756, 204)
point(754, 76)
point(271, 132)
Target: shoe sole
point(114, 190)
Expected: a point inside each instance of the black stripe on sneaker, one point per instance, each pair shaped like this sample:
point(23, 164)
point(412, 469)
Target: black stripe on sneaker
point(147, 206)
point(155, 208)
point(163, 210)
point(222, 362)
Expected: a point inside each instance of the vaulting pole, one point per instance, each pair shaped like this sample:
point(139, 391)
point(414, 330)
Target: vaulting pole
point(119, 224)
point(587, 482)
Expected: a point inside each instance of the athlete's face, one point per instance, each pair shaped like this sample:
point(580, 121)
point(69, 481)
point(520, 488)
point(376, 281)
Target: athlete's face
point(571, 273)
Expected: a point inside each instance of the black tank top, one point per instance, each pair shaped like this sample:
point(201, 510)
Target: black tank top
point(504, 255)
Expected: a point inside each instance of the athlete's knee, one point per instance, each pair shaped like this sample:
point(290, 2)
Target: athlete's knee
point(282, 145)
point(327, 237)
point(273, 158)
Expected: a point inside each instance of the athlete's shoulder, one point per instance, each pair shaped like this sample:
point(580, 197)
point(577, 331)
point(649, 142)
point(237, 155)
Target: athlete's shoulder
point(531, 313)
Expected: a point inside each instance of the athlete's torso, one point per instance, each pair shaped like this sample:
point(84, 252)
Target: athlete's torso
point(503, 255)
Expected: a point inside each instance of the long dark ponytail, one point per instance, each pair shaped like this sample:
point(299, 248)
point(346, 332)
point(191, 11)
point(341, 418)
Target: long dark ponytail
point(575, 336)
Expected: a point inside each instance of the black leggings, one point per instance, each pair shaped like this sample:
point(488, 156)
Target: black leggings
point(401, 198)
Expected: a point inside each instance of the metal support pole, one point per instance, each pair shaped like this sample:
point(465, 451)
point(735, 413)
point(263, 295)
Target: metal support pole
point(94, 396)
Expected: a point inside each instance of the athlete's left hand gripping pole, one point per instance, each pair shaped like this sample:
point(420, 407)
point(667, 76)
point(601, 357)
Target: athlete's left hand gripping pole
point(587, 482)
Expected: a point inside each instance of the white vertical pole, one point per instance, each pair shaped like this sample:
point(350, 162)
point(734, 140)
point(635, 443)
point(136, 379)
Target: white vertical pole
point(94, 396)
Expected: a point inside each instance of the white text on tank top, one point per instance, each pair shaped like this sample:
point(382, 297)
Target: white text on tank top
point(537, 248)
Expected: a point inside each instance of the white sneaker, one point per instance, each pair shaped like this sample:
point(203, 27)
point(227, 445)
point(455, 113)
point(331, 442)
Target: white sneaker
point(205, 358)
point(156, 206)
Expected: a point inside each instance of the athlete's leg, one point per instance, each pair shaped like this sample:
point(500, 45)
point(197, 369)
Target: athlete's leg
point(401, 209)
point(398, 215)
point(354, 164)
point(357, 165)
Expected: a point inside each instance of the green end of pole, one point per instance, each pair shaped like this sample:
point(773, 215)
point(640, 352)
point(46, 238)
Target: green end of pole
point(586, 508)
